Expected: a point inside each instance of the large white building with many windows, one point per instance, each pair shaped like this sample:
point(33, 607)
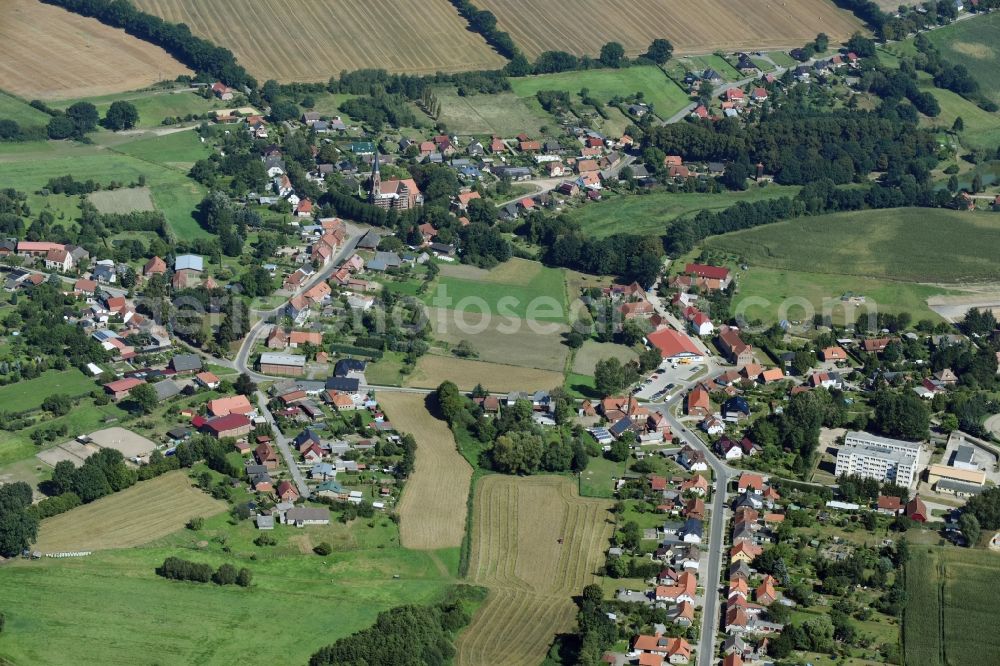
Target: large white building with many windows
point(881, 458)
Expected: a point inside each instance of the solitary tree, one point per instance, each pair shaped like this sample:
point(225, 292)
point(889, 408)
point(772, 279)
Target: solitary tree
point(969, 525)
point(144, 396)
point(612, 54)
point(121, 116)
point(84, 115)
point(660, 51)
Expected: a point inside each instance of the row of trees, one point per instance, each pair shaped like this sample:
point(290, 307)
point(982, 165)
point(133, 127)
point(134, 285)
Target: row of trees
point(410, 634)
point(176, 568)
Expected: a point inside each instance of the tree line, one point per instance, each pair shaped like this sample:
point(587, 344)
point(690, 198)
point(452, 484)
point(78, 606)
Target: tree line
point(176, 568)
point(411, 634)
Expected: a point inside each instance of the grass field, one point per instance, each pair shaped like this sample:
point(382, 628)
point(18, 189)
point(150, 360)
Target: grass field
point(598, 479)
point(431, 370)
point(773, 294)
point(432, 510)
point(501, 340)
point(305, 601)
point(900, 244)
point(647, 214)
point(973, 43)
point(664, 95)
point(505, 114)
point(517, 288)
point(50, 53)
point(531, 576)
point(982, 128)
point(591, 352)
point(145, 512)
point(155, 105)
point(312, 41)
point(84, 418)
point(583, 26)
point(948, 618)
point(123, 200)
point(11, 108)
point(29, 394)
point(27, 167)
point(178, 150)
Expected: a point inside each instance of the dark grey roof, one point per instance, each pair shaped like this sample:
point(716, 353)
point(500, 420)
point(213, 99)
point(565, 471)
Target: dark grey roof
point(349, 384)
point(346, 365)
point(186, 362)
point(166, 389)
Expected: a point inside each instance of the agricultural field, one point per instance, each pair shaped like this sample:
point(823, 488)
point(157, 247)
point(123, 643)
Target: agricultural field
point(431, 370)
point(49, 53)
point(648, 213)
point(27, 167)
point(664, 95)
point(898, 244)
point(948, 618)
point(531, 576)
point(432, 510)
point(155, 105)
point(505, 114)
point(517, 288)
point(973, 43)
point(591, 352)
point(583, 26)
point(29, 393)
point(145, 512)
point(123, 200)
point(11, 108)
point(312, 41)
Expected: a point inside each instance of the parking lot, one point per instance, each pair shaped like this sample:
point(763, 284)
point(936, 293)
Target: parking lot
point(667, 376)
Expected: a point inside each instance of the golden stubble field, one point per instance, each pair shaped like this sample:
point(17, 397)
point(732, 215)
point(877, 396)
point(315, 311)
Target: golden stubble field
point(312, 40)
point(693, 26)
point(49, 53)
point(146, 511)
point(516, 553)
point(432, 511)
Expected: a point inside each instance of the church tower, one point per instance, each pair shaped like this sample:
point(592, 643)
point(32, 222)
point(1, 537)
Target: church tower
point(376, 189)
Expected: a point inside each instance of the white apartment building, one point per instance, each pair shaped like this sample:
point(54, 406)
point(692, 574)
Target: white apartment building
point(876, 462)
point(857, 438)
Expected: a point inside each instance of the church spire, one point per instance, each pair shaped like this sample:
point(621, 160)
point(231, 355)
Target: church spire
point(376, 179)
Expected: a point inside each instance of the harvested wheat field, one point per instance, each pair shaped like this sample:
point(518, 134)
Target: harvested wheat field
point(146, 511)
point(693, 26)
point(517, 525)
point(432, 511)
point(312, 40)
point(432, 370)
point(50, 53)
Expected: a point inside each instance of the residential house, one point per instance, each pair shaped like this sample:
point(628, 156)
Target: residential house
point(698, 402)
point(266, 456)
point(732, 345)
point(287, 492)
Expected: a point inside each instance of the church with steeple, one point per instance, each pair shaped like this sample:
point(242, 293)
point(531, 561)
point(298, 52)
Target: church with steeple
point(394, 194)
